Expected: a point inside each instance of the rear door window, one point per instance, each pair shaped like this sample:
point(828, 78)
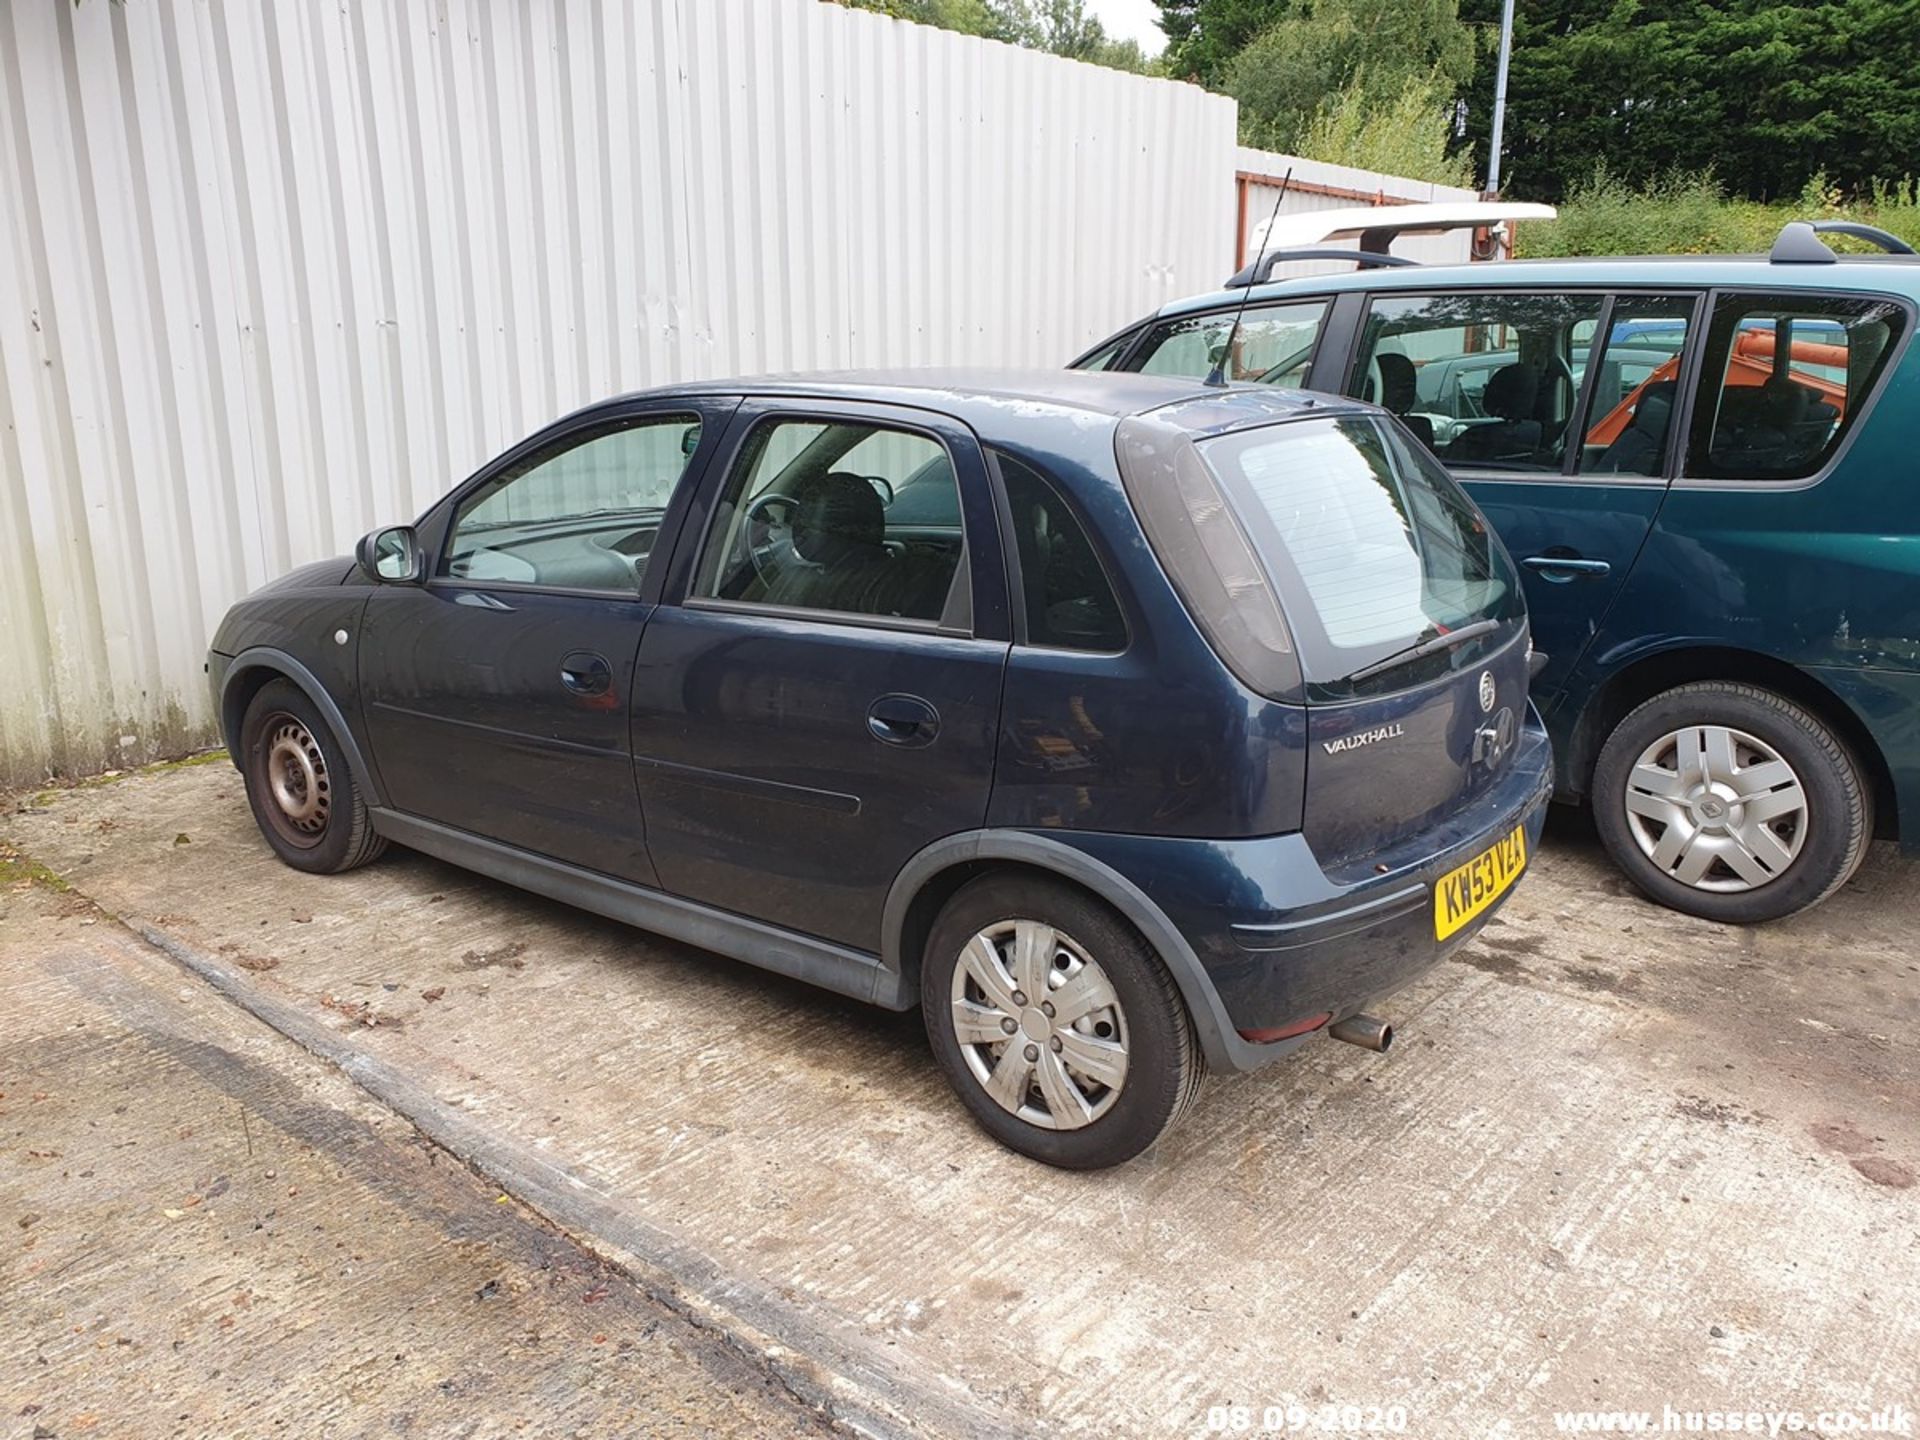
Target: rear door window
point(1274, 344)
point(1485, 381)
point(1784, 379)
point(1636, 386)
point(807, 522)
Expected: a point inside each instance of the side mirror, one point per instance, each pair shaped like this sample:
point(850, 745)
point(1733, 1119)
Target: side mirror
point(390, 556)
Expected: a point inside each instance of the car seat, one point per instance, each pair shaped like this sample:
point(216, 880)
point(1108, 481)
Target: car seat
point(1639, 448)
point(1400, 392)
point(840, 531)
point(1511, 394)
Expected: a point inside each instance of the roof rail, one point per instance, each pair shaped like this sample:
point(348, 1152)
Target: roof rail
point(1256, 272)
point(1800, 243)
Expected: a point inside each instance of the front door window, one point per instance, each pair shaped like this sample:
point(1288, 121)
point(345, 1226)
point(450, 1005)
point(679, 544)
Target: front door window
point(1485, 381)
point(581, 514)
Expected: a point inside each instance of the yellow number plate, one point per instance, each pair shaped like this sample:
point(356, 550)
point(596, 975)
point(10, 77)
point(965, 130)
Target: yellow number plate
point(1465, 891)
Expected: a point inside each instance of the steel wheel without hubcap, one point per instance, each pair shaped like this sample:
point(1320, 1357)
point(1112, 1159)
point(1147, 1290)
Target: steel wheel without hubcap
point(297, 781)
point(1716, 808)
point(1039, 1025)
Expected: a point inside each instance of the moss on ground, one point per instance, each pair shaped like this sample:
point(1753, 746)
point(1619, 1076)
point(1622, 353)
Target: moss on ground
point(112, 777)
point(18, 869)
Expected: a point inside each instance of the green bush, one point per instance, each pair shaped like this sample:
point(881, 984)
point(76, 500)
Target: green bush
point(1682, 214)
point(1402, 133)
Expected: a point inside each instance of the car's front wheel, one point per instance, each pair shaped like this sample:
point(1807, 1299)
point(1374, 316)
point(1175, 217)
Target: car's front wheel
point(1731, 802)
point(300, 785)
point(1057, 1026)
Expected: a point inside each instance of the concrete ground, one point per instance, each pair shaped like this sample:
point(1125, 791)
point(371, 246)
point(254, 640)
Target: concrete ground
point(1619, 1159)
point(204, 1231)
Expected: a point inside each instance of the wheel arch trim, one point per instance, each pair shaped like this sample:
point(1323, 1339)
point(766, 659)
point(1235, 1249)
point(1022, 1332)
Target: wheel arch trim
point(1631, 675)
point(1219, 1041)
point(267, 657)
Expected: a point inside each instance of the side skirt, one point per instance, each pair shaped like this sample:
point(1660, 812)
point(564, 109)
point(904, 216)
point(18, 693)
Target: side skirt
point(818, 962)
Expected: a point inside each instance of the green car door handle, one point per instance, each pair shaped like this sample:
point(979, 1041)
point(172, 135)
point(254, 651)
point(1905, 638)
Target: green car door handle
point(1562, 568)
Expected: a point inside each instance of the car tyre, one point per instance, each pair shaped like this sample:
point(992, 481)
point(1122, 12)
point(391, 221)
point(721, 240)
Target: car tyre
point(304, 794)
point(1085, 1084)
point(1742, 780)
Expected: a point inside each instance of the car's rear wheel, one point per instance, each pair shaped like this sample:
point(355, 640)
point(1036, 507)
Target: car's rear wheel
point(300, 786)
point(1055, 1023)
point(1731, 802)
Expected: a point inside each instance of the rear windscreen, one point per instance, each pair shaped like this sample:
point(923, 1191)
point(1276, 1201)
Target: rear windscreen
point(1371, 545)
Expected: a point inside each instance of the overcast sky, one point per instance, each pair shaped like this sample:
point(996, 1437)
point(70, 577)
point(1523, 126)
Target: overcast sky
point(1131, 20)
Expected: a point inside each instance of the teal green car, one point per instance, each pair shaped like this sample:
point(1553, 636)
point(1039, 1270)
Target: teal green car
point(1708, 470)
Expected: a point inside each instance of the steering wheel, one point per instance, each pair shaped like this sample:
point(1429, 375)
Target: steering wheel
point(769, 536)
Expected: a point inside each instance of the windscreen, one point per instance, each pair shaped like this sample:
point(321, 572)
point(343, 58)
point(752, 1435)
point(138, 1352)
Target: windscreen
point(1371, 545)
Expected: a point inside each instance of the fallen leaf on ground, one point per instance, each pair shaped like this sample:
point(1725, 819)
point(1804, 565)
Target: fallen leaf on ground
point(508, 955)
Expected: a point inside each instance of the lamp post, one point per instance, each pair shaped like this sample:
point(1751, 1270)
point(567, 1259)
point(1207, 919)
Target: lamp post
point(1500, 99)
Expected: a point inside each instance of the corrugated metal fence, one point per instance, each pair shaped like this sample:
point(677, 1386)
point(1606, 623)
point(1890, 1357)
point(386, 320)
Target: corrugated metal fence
point(273, 272)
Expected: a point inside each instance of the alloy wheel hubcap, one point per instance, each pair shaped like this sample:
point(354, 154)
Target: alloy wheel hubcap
point(297, 778)
point(1716, 808)
point(1039, 1025)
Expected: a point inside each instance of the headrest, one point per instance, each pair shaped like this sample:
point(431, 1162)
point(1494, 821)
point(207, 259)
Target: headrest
point(837, 516)
point(1399, 385)
point(1511, 391)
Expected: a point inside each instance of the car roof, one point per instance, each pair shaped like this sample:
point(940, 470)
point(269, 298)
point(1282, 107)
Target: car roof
point(1882, 274)
point(990, 400)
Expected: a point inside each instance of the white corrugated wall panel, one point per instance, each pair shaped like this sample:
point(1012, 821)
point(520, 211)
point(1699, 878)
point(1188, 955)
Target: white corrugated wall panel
point(274, 272)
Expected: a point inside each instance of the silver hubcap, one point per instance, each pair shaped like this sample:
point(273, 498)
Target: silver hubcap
point(1039, 1025)
point(297, 777)
point(1716, 808)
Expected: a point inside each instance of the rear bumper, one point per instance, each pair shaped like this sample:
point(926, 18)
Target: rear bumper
point(1282, 941)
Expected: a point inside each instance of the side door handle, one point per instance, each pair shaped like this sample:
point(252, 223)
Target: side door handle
point(585, 673)
point(904, 720)
point(1561, 568)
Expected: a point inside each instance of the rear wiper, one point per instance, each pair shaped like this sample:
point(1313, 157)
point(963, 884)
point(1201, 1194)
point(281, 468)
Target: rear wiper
point(1432, 646)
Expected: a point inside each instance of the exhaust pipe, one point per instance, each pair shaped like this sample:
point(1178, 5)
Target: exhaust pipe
point(1369, 1032)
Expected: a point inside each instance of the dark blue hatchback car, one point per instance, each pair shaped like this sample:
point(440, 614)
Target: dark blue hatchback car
point(1126, 725)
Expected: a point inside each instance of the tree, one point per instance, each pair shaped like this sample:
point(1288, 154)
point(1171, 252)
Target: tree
point(1058, 27)
point(1203, 36)
point(1394, 134)
point(969, 17)
point(1063, 27)
point(1764, 93)
point(1360, 60)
